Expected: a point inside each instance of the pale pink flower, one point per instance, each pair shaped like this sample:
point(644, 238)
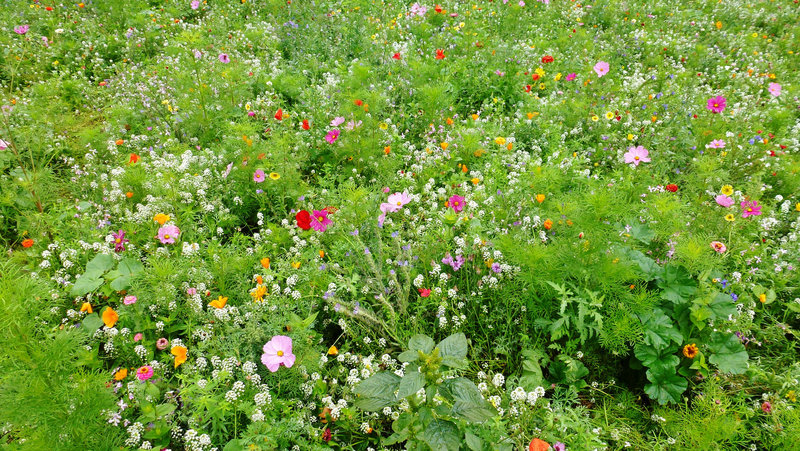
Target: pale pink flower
point(277, 352)
point(723, 200)
point(718, 246)
point(637, 155)
point(601, 68)
point(775, 89)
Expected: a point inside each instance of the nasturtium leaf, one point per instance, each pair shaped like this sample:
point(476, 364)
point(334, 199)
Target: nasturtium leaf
point(85, 284)
point(101, 263)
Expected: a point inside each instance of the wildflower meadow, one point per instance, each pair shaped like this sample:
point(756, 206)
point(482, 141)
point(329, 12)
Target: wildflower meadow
point(385, 224)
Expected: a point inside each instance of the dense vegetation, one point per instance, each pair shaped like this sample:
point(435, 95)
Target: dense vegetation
point(352, 224)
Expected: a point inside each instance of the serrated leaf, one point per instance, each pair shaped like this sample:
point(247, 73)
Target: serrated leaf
point(665, 387)
point(442, 435)
point(453, 362)
point(422, 343)
point(408, 356)
point(729, 354)
point(411, 383)
point(462, 389)
point(473, 442)
point(454, 346)
point(377, 391)
point(677, 284)
point(471, 413)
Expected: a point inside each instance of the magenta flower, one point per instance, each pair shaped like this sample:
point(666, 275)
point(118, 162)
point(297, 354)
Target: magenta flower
point(320, 221)
point(716, 144)
point(716, 104)
point(774, 89)
point(601, 68)
point(571, 76)
point(144, 373)
point(718, 247)
point(277, 352)
point(119, 241)
point(223, 57)
point(637, 155)
point(167, 234)
point(750, 208)
point(195, 4)
point(558, 446)
point(456, 202)
point(259, 176)
point(332, 136)
point(724, 201)
point(21, 29)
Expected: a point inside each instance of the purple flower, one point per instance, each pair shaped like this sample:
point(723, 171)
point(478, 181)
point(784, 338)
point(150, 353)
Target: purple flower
point(320, 221)
point(456, 202)
point(119, 241)
point(259, 176)
point(277, 352)
point(716, 104)
point(332, 136)
point(167, 234)
point(637, 155)
point(750, 208)
point(22, 29)
point(223, 57)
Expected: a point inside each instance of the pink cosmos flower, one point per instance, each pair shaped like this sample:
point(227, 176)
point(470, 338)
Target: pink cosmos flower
point(138, 337)
point(716, 104)
point(128, 300)
point(337, 121)
point(637, 155)
point(167, 234)
point(601, 68)
point(21, 29)
point(223, 57)
point(750, 208)
point(144, 373)
point(191, 291)
point(195, 4)
point(716, 144)
point(3, 145)
point(259, 176)
point(399, 199)
point(277, 352)
point(718, 246)
point(386, 208)
point(724, 201)
point(332, 136)
point(571, 76)
point(456, 202)
point(774, 89)
point(320, 221)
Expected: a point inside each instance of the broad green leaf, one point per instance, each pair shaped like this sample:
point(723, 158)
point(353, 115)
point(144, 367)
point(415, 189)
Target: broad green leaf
point(461, 389)
point(85, 285)
point(657, 359)
point(471, 413)
point(164, 410)
point(659, 330)
point(421, 343)
point(531, 375)
point(408, 356)
point(722, 306)
point(377, 391)
point(729, 354)
point(101, 263)
point(665, 387)
point(411, 383)
point(473, 442)
point(121, 283)
point(648, 267)
point(130, 266)
point(677, 284)
point(453, 362)
point(442, 435)
point(233, 445)
point(454, 346)
point(92, 322)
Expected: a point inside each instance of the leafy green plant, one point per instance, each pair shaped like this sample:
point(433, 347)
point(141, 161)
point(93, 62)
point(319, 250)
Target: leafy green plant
point(100, 273)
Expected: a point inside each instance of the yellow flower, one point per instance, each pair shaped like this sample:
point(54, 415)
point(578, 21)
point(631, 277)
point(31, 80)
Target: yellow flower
point(609, 115)
point(110, 317)
point(475, 181)
point(540, 198)
point(258, 293)
point(180, 355)
point(730, 217)
point(161, 218)
point(797, 207)
point(383, 126)
point(274, 175)
point(532, 115)
point(296, 265)
point(762, 297)
point(719, 25)
point(444, 145)
point(86, 307)
point(595, 118)
point(480, 152)
point(727, 190)
point(558, 76)
point(219, 302)
point(690, 350)
point(540, 71)
point(500, 141)
point(333, 351)
point(475, 117)
point(630, 137)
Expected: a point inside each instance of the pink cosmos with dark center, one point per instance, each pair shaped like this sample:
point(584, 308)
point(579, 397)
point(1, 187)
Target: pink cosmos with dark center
point(637, 155)
point(456, 202)
point(223, 57)
point(716, 104)
point(277, 352)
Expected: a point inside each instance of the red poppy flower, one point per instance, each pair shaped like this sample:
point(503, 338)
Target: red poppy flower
point(535, 77)
point(396, 56)
point(437, 8)
point(358, 102)
point(303, 219)
point(134, 158)
point(424, 292)
point(305, 124)
point(27, 243)
point(673, 188)
point(538, 444)
point(279, 114)
point(547, 59)
point(439, 54)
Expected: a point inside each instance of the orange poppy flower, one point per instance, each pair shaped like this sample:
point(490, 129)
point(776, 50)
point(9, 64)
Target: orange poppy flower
point(121, 374)
point(548, 224)
point(219, 302)
point(86, 307)
point(180, 355)
point(538, 444)
point(540, 198)
point(110, 317)
point(265, 262)
point(27, 243)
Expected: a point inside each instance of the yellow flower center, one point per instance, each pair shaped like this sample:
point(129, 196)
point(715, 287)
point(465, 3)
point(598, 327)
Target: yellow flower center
point(398, 204)
point(455, 203)
point(320, 218)
point(636, 157)
point(166, 236)
point(749, 209)
point(280, 353)
point(118, 241)
point(716, 105)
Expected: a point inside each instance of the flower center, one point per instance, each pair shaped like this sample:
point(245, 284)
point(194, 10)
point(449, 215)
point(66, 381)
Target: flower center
point(636, 157)
point(455, 203)
point(398, 204)
point(749, 209)
point(166, 236)
point(320, 218)
point(280, 353)
point(118, 241)
point(716, 105)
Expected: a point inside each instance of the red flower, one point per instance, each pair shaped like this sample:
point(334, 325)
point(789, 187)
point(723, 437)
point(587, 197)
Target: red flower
point(134, 159)
point(331, 210)
point(279, 114)
point(535, 77)
point(327, 435)
point(538, 444)
point(673, 188)
point(437, 8)
point(358, 102)
point(396, 56)
point(303, 219)
point(439, 54)
point(424, 292)
point(305, 124)
point(527, 88)
point(547, 59)
point(27, 243)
